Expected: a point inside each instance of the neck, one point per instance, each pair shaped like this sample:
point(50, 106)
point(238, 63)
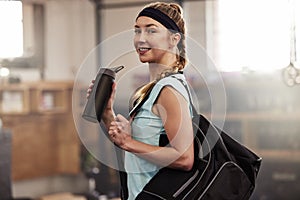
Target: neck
point(156, 69)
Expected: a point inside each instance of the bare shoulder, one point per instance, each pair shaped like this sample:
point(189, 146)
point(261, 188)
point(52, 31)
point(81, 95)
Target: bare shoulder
point(169, 93)
point(170, 98)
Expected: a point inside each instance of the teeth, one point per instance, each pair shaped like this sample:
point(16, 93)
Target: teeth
point(144, 49)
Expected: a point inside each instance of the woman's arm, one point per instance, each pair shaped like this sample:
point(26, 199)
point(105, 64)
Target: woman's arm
point(174, 112)
point(108, 115)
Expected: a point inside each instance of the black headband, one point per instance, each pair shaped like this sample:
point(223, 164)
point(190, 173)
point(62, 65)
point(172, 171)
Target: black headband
point(159, 16)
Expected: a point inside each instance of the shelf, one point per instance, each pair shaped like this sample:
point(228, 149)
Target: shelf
point(35, 97)
point(14, 100)
point(51, 100)
point(52, 97)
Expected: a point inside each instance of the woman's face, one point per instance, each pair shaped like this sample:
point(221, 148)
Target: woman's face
point(151, 40)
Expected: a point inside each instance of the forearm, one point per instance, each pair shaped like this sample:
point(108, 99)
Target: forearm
point(163, 156)
point(108, 117)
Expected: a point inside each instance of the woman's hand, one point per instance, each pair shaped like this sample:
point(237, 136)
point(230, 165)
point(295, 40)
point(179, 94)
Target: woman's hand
point(120, 131)
point(90, 88)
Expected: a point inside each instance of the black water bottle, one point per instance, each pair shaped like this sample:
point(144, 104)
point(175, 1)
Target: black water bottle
point(100, 94)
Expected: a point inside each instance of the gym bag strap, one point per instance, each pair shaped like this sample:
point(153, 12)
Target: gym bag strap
point(223, 168)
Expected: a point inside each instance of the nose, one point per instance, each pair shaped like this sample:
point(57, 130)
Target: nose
point(141, 37)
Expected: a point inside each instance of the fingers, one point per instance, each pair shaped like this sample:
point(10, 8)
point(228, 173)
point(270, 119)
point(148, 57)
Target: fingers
point(115, 131)
point(120, 131)
point(112, 132)
point(117, 127)
point(90, 88)
point(91, 85)
point(122, 123)
point(121, 118)
point(88, 93)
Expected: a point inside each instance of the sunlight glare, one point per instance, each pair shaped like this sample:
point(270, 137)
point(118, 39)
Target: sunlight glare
point(11, 32)
point(254, 34)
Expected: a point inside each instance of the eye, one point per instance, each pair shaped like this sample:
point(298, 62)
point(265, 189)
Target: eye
point(151, 30)
point(137, 30)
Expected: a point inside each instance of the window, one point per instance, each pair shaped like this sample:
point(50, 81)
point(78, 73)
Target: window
point(11, 26)
point(297, 29)
point(255, 34)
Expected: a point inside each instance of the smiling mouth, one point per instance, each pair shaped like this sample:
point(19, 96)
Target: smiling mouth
point(143, 50)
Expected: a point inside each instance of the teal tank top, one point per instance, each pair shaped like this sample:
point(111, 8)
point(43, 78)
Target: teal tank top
point(147, 128)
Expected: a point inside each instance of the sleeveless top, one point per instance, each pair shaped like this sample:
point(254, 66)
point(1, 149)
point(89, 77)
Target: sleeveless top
point(147, 128)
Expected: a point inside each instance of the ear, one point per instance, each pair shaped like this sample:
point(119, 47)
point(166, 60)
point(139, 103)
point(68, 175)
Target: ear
point(175, 38)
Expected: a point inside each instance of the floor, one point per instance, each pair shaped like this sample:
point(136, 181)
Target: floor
point(49, 185)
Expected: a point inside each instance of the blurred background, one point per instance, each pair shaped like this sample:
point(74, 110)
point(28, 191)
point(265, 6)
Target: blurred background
point(250, 50)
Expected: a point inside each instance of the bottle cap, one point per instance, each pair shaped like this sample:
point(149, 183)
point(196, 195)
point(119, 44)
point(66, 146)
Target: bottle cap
point(111, 71)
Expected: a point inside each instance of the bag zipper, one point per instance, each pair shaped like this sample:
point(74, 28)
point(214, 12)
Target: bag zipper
point(184, 186)
point(153, 194)
point(212, 181)
point(204, 171)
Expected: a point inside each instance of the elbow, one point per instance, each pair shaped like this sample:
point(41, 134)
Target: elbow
point(187, 163)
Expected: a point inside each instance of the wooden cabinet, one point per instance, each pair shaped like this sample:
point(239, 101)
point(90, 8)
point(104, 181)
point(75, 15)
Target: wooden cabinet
point(51, 98)
point(44, 138)
point(14, 99)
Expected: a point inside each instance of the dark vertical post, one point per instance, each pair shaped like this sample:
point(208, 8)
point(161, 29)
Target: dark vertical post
point(5, 164)
point(98, 8)
point(39, 38)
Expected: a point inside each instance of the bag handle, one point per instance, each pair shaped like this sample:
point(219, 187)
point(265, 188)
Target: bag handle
point(188, 91)
point(136, 108)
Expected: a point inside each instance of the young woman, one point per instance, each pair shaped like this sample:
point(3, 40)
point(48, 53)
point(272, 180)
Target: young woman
point(159, 41)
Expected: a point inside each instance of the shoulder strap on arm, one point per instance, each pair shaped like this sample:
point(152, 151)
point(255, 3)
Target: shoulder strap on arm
point(188, 91)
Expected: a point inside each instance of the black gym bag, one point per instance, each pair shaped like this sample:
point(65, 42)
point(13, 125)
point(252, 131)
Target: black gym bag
point(223, 168)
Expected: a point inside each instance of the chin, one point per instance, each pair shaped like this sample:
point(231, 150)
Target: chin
point(143, 60)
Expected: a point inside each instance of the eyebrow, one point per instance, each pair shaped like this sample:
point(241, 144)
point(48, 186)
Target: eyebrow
point(148, 25)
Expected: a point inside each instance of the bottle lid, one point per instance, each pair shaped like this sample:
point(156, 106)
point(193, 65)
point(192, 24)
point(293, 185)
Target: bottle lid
point(111, 71)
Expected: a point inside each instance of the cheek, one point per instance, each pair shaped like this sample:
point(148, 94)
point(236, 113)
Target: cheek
point(162, 43)
point(135, 42)
point(158, 52)
point(160, 48)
